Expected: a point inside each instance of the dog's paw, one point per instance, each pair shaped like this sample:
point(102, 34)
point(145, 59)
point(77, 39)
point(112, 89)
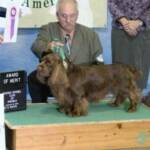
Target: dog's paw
point(75, 113)
point(132, 109)
point(113, 104)
point(80, 113)
point(61, 109)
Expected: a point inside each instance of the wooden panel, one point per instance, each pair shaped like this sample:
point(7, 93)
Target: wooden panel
point(93, 136)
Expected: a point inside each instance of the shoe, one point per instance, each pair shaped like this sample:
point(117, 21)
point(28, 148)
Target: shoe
point(146, 100)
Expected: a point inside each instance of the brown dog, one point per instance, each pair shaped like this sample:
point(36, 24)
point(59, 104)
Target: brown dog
point(77, 85)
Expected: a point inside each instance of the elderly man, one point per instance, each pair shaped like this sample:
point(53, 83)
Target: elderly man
point(83, 43)
point(131, 35)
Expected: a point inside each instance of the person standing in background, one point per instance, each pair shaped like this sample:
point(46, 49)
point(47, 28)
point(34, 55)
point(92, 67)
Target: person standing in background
point(130, 36)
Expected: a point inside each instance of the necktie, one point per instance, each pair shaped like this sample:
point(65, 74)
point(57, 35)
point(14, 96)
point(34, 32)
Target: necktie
point(67, 44)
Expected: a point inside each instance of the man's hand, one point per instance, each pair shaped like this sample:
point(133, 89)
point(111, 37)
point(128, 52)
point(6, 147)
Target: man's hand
point(57, 46)
point(124, 22)
point(127, 26)
point(130, 26)
point(54, 44)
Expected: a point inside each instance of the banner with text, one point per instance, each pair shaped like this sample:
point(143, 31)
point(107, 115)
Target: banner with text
point(92, 13)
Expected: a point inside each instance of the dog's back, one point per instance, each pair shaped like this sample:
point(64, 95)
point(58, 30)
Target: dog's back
point(105, 72)
point(98, 80)
point(136, 72)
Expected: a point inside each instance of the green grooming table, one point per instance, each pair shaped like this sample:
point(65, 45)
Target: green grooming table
point(42, 127)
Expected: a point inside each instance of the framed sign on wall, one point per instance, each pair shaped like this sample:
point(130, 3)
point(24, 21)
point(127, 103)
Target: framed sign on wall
point(92, 13)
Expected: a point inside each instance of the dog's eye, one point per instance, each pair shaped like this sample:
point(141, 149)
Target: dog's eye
point(47, 62)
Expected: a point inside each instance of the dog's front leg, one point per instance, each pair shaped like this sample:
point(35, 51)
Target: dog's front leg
point(61, 109)
point(79, 107)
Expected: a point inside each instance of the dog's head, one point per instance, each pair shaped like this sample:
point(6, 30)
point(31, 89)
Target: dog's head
point(47, 65)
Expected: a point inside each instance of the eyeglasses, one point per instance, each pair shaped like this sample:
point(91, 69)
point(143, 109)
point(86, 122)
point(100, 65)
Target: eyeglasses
point(66, 16)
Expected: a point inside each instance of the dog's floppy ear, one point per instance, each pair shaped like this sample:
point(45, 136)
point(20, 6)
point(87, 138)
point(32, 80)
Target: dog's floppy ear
point(41, 79)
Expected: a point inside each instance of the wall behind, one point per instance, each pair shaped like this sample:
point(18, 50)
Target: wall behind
point(17, 56)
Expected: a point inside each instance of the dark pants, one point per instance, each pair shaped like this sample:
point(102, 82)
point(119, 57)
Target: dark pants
point(133, 51)
point(38, 92)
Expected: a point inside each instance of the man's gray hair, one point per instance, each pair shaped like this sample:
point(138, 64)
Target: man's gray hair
point(59, 2)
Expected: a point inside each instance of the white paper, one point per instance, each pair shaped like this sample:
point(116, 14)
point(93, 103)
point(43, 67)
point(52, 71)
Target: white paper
point(9, 26)
point(2, 131)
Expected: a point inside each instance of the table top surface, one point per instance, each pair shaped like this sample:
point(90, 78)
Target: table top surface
point(47, 114)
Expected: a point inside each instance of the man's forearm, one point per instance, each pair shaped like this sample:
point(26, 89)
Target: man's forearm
point(39, 47)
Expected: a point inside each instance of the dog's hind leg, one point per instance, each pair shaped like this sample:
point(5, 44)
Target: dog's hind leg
point(120, 98)
point(134, 96)
point(134, 99)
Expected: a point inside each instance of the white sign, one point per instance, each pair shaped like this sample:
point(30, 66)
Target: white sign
point(2, 130)
point(9, 17)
